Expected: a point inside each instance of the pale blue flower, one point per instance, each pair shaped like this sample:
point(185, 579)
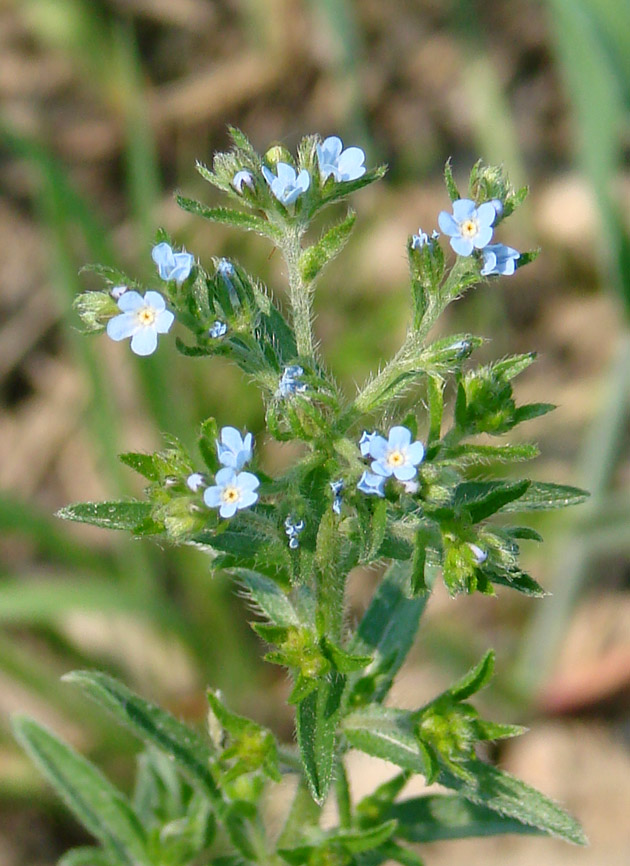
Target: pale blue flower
point(365, 441)
point(232, 491)
point(196, 481)
point(290, 381)
point(373, 485)
point(479, 554)
point(342, 164)
point(287, 186)
point(172, 266)
point(142, 319)
point(397, 455)
point(469, 227)
point(243, 178)
point(233, 449)
point(293, 530)
point(226, 269)
point(218, 330)
point(499, 259)
point(420, 240)
point(117, 292)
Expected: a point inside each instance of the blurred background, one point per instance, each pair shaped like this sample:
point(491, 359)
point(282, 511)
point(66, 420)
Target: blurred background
point(105, 107)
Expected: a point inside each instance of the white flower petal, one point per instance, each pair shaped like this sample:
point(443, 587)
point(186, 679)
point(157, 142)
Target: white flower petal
point(144, 341)
point(123, 326)
point(130, 301)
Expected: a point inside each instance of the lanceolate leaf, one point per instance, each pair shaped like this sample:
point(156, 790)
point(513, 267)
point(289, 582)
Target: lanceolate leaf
point(142, 463)
point(229, 217)
point(387, 733)
point(316, 257)
point(541, 496)
point(474, 680)
point(438, 816)
point(103, 810)
point(512, 798)
point(108, 515)
point(268, 597)
point(481, 500)
point(317, 718)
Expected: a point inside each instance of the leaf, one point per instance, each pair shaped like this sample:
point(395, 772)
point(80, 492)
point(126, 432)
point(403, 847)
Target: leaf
point(141, 463)
point(126, 514)
point(449, 180)
point(100, 807)
point(344, 661)
point(474, 680)
point(340, 191)
point(316, 723)
point(435, 817)
point(532, 410)
point(355, 841)
point(87, 857)
point(387, 629)
point(268, 597)
point(512, 798)
point(153, 725)
point(483, 499)
point(226, 216)
point(542, 496)
point(387, 733)
point(469, 453)
point(207, 441)
point(316, 257)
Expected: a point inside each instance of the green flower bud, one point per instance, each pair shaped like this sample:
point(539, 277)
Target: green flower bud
point(95, 309)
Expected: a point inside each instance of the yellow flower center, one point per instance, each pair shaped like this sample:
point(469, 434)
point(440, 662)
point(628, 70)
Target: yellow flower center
point(396, 458)
point(146, 316)
point(469, 228)
point(231, 494)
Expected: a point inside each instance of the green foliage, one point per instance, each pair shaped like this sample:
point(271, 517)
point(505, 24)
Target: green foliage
point(199, 796)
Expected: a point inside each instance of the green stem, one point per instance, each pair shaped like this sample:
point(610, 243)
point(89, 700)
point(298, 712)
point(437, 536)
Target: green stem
point(342, 792)
point(299, 293)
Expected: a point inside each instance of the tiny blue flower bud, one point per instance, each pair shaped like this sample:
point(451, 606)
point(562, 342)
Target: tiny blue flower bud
point(469, 227)
point(497, 204)
point(294, 542)
point(293, 530)
point(365, 441)
point(290, 381)
point(117, 292)
point(287, 186)
point(337, 486)
point(233, 449)
point(479, 554)
point(499, 259)
point(337, 503)
point(243, 177)
point(411, 487)
point(226, 269)
point(218, 330)
point(195, 482)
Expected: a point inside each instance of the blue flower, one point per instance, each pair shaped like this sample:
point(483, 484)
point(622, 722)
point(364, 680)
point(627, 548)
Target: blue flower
point(142, 319)
point(243, 177)
point(287, 186)
point(497, 204)
point(117, 292)
point(469, 227)
point(397, 456)
point(372, 484)
point(232, 491)
point(172, 266)
point(293, 530)
point(225, 268)
point(233, 450)
point(195, 482)
point(366, 440)
point(342, 164)
point(499, 259)
point(290, 381)
point(218, 330)
point(423, 240)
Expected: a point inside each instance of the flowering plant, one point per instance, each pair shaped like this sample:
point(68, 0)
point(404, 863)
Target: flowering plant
point(386, 480)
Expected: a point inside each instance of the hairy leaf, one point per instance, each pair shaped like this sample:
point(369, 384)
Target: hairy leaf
point(125, 514)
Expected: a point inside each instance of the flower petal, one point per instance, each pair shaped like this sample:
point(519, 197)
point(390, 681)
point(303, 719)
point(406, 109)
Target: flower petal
point(144, 341)
point(303, 180)
point(155, 301)
point(448, 224)
point(162, 255)
point(247, 481)
point(268, 175)
point(378, 447)
point(463, 208)
point(248, 497)
point(462, 246)
point(232, 439)
point(286, 172)
point(212, 496)
point(163, 321)
point(379, 467)
point(331, 148)
point(123, 326)
point(415, 453)
point(225, 476)
point(228, 509)
point(405, 472)
point(399, 438)
point(486, 213)
point(130, 301)
point(484, 236)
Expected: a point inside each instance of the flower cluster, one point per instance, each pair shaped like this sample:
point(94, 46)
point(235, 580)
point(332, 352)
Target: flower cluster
point(290, 381)
point(395, 456)
point(293, 530)
point(470, 227)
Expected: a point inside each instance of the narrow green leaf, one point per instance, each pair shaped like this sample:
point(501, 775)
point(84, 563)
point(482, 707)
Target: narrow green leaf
point(387, 629)
point(469, 453)
point(495, 498)
point(153, 725)
point(126, 514)
point(268, 597)
point(532, 410)
point(341, 191)
point(226, 216)
point(449, 180)
point(356, 841)
point(102, 809)
point(387, 733)
point(316, 723)
point(317, 256)
point(141, 463)
point(476, 678)
point(435, 817)
point(512, 798)
point(379, 525)
point(88, 857)
point(542, 496)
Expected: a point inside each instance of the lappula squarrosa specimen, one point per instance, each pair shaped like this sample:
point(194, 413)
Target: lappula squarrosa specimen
point(393, 477)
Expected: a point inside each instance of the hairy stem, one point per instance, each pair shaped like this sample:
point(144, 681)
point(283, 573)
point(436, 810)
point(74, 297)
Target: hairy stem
point(299, 293)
